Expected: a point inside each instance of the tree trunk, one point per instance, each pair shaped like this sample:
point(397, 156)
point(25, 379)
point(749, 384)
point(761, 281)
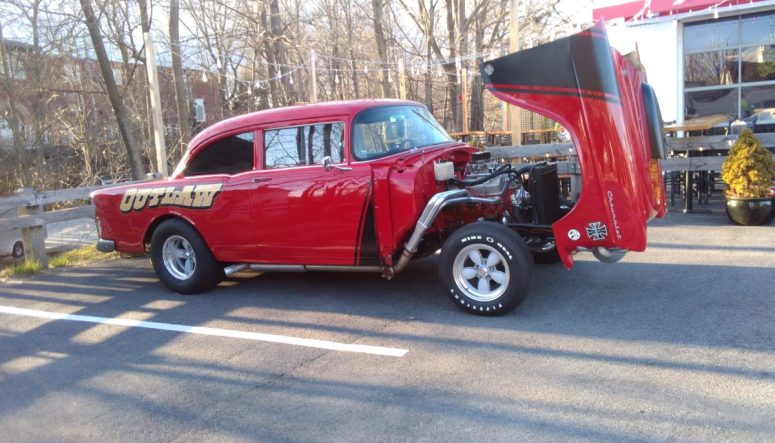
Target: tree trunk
point(378, 7)
point(462, 42)
point(353, 67)
point(271, 63)
point(428, 75)
point(450, 68)
point(477, 88)
point(133, 155)
point(38, 104)
point(275, 22)
point(178, 77)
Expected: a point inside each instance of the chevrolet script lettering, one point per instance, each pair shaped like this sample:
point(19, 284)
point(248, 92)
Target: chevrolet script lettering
point(192, 196)
point(613, 215)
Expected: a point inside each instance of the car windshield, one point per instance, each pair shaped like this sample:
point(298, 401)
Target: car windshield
point(378, 132)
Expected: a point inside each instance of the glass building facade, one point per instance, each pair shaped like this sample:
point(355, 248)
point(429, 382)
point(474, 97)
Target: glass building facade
point(729, 70)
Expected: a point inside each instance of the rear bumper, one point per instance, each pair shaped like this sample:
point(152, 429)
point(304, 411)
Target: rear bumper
point(106, 245)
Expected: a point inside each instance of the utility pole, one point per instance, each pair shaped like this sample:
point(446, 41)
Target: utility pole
point(464, 98)
point(313, 78)
point(516, 122)
point(158, 123)
point(401, 79)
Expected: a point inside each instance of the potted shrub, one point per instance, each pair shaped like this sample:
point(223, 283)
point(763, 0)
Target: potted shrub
point(748, 173)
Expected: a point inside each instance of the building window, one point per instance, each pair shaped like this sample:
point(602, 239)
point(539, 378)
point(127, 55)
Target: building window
point(71, 73)
point(729, 71)
point(199, 110)
point(118, 75)
point(16, 66)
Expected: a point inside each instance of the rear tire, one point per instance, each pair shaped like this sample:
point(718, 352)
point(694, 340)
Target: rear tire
point(486, 268)
point(545, 253)
point(182, 260)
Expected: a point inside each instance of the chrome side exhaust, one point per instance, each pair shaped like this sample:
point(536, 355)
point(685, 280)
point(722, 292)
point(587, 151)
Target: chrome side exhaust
point(428, 216)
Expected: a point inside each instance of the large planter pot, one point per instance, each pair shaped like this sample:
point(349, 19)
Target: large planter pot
point(750, 211)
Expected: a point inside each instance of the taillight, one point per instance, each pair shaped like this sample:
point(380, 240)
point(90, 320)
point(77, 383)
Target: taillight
point(657, 185)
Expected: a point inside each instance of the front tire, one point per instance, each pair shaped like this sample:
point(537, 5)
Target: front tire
point(486, 268)
point(182, 260)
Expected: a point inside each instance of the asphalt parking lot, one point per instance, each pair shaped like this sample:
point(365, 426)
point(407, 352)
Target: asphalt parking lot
point(677, 343)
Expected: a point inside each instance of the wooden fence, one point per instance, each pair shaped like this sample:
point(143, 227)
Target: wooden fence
point(31, 218)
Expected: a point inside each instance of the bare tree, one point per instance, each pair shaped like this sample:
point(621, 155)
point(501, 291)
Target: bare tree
point(378, 8)
point(114, 96)
point(13, 114)
point(181, 98)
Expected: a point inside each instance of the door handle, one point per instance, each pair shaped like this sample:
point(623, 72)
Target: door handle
point(261, 179)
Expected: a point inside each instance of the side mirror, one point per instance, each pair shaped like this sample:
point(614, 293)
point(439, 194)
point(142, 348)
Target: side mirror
point(328, 164)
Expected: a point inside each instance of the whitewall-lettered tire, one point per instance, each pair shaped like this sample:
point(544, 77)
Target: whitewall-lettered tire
point(486, 268)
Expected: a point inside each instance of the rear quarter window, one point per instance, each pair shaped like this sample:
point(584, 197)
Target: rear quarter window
point(231, 155)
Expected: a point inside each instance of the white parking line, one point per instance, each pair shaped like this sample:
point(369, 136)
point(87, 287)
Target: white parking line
point(257, 336)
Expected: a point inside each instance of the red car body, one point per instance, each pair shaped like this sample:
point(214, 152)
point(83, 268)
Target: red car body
point(303, 215)
point(362, 212)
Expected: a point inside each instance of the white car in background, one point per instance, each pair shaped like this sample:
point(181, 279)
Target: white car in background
point(11, 243)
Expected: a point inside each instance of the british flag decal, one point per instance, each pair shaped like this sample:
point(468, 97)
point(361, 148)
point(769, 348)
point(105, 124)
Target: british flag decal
point(597, 231)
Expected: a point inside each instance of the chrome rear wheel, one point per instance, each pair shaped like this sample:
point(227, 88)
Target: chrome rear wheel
point(182, 259)
point(179, 257)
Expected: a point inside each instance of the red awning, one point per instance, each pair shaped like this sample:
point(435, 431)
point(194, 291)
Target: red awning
point(647, 9)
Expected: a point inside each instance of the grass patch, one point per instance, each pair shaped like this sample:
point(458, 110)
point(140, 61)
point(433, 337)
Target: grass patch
point(77, 257)
point(74, 257)
point(23, 269)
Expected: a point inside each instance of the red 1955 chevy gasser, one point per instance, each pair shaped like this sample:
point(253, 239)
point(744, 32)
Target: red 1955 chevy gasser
point(367, 185)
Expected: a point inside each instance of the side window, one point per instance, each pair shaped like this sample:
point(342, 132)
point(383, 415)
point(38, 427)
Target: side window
point(230, 155)
point(303, 145)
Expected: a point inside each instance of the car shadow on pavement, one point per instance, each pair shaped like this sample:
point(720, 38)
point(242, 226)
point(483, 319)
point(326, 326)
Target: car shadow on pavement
point(664, 305)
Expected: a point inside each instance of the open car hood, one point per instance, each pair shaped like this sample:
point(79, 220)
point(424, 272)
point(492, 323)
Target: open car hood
point(602, 99)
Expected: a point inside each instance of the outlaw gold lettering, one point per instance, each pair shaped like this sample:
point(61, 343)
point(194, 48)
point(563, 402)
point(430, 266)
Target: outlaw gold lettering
point(169, 196)
point(205, 194)
point(183, 199)
point(191, 196)
point(155, 196)
point(127, 200)
point(141, 199)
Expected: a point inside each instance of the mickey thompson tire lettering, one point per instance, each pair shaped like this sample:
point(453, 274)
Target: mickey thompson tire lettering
point(502, 256)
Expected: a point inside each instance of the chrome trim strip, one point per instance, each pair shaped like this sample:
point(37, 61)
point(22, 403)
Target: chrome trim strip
point(233, 269)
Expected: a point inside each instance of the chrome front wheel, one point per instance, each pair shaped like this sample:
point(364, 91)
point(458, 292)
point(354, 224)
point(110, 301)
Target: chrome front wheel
point(486, 268)
point(481, 272)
